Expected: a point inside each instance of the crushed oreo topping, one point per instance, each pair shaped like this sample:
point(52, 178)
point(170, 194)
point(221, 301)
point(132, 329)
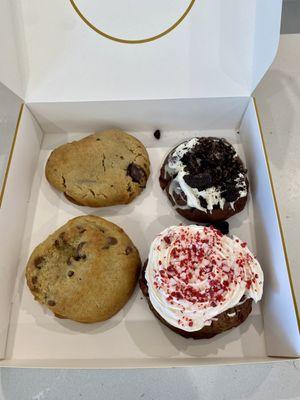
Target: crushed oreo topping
point(81, 229)
point(213, 162)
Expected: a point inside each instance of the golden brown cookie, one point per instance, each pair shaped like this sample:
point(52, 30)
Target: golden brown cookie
point(104, 169)
point(85, 271)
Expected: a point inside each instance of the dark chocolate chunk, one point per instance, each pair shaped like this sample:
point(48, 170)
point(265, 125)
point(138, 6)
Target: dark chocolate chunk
point(203, 202)
point(222, 226)
point(136, 173)
point(157, 134)
point(38, 262)
point(70, 273)
point(51, 303)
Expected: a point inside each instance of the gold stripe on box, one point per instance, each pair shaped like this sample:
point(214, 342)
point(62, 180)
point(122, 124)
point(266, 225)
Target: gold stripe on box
point(133, 41)
point(10, 155)
point(278, 215)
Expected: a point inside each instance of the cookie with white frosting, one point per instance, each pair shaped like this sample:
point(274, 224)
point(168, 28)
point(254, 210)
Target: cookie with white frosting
point(205, 179)
point(200, 282)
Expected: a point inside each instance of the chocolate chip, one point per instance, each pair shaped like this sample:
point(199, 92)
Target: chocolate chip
point(51, 303)
point(98, 140)
point(62, 237)
point(222, 226)
point(70, 273)
point(81, 229)
point(80, 246)
point(157, 134)
point(61, 241)
point(69, 260)
point(112, 241)
point(38, 262)
point(34, 280)
point(128, 250)
point(136, 173)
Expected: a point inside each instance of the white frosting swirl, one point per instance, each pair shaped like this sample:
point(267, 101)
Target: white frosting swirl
point(195, 273)
point(213, 197)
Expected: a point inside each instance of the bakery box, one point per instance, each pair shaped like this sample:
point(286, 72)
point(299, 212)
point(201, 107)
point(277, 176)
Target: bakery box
point(68, 69)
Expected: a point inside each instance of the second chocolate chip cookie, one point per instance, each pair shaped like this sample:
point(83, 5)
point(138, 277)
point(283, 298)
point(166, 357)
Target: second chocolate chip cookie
point(103, 169)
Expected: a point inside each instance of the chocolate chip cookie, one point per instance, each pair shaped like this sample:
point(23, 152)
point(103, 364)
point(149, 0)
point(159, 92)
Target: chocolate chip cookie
point(205, 179)
point(103, 169)
point(85, 271)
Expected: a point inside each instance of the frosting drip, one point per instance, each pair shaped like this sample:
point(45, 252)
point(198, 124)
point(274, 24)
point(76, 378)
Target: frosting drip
point(195, 273)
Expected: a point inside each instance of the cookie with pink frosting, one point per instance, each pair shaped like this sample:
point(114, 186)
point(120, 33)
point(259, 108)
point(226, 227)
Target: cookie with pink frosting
point(200, 282)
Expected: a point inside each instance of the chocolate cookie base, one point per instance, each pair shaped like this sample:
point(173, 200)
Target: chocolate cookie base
point(221, 324)
point(193, 214)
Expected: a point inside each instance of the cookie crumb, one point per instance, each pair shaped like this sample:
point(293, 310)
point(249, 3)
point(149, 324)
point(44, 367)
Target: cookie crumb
point(157, 134)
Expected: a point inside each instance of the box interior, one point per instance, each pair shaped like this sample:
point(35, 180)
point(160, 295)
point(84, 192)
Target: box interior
point(134, 337)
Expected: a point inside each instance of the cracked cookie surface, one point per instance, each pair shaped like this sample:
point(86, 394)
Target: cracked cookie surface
point(86, 271)
point(103, 169)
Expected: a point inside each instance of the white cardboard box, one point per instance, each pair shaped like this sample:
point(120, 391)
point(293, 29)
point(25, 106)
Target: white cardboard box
point(197, 80)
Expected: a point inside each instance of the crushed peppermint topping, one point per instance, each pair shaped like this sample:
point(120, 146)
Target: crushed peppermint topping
point(199, 273)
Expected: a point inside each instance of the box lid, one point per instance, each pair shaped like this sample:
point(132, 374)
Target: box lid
point(215, 48)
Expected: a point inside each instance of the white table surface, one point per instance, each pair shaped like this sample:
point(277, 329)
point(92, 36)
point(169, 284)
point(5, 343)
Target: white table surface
point(278, 98)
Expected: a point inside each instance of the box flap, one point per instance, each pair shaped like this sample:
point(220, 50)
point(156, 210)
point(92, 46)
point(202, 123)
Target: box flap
point(217, 48)
point(11, 74)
